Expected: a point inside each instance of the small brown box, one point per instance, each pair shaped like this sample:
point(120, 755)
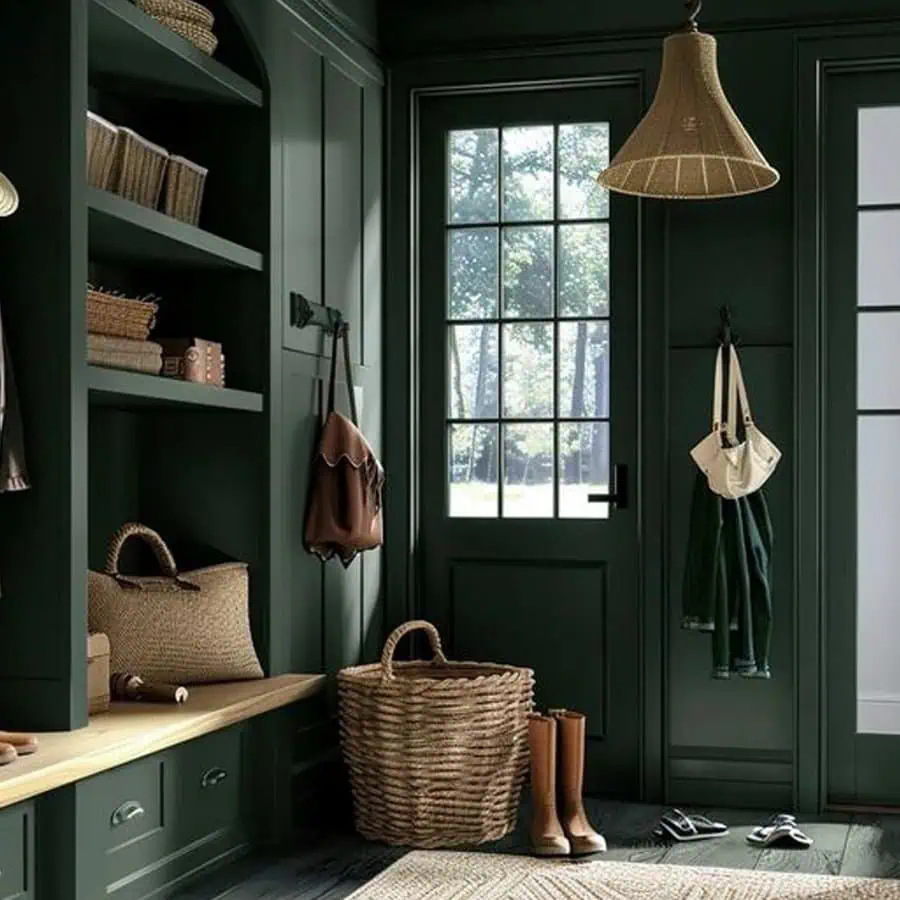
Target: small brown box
point(98, 673)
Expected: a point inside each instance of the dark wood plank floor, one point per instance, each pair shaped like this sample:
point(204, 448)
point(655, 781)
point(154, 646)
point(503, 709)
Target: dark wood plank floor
point(337, 865)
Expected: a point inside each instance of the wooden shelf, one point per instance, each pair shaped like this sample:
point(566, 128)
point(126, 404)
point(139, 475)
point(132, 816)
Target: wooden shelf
point(126, 232)
point(127, 43)
point(134, 390)
point(132, 730)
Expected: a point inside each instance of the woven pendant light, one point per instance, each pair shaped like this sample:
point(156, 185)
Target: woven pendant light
point(9, 197)
point(690, 145)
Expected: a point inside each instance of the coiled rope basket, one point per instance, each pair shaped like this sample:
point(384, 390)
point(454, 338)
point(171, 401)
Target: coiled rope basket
point(437, 751)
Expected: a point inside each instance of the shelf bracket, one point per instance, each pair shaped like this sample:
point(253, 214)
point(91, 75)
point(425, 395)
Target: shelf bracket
point(305, 314)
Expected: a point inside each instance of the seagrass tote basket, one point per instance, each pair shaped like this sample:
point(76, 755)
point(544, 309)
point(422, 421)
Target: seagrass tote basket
point(437, 751)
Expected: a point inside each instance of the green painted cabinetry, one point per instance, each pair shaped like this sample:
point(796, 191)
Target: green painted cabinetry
point(17, 864)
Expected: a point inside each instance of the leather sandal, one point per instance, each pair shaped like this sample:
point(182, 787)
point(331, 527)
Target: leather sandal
point(572, 735)
point(7, 754)
point(23, 744)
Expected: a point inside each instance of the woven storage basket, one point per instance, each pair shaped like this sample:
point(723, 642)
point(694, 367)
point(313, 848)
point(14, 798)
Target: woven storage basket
point(102, 137)
point(183, 195)
point(139, 169)
point(119, 316)
point(437, 751)
point(186, 10)
point(199, 35)
point(124, 353)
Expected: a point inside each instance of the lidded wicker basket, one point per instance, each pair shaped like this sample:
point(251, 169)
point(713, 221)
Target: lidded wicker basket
point(437, 751)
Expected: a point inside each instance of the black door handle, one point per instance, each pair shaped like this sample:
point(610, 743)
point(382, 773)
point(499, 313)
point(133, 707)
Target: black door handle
point(617, 497)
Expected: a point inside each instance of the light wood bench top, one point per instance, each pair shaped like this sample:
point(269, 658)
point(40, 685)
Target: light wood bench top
point(132, 730)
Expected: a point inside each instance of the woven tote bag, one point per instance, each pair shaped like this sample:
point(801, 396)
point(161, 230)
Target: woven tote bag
point(437, 751)
point(186, 628)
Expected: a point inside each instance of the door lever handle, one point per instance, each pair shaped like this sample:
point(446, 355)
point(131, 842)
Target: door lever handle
point(617, 497)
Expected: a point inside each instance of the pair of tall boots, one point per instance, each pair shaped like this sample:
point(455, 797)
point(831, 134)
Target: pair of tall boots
point(567, 832)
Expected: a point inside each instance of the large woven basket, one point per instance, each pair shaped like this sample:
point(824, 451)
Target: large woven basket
point(139, 169)
point(437, 751)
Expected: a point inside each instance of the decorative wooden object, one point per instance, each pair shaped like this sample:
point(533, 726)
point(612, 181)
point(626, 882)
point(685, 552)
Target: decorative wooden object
point(194, 359)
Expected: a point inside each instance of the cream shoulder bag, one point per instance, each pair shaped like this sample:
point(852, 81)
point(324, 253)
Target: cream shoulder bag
point(734, 469)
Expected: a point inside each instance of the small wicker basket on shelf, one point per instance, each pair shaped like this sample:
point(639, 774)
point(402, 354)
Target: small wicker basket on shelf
point(186, 10)
point(183, 196)
point(139, 169)
point(199, 35)
point(117, 316)
point(102, 137)
point(437, 751)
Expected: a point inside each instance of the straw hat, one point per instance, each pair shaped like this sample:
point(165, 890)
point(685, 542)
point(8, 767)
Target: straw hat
point(9, 197)
point(691, 144)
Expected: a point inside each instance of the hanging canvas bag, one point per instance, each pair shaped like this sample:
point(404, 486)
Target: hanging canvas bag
point(734, 469)
point(344, 515)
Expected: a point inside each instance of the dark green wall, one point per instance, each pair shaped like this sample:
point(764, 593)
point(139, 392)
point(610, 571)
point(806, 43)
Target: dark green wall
point(716, 742)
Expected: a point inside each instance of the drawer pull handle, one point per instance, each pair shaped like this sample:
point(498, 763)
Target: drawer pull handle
point(212, 777)
point(127, 812)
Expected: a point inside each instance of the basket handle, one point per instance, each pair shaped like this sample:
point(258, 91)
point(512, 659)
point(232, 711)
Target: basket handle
point(390, 645)
point(160, 551)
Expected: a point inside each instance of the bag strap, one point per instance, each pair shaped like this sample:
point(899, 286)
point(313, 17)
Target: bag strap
point(718, 378)
point(737, 390)
point(160, 551)
point(342, 339)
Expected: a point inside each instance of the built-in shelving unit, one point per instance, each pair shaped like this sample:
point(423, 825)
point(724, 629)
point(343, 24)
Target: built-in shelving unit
point(126, 43)
point(126, 232)
point(133, 390)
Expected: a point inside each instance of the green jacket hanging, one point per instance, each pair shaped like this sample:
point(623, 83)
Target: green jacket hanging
point(728, 579)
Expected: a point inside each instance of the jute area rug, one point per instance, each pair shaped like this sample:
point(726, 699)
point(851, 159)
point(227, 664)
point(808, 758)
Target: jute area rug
point(425, 875)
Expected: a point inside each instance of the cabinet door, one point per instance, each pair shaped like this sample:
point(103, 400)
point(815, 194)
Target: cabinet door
point(298, 102)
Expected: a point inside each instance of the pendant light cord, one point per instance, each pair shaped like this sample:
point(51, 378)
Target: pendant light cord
point(693, 7)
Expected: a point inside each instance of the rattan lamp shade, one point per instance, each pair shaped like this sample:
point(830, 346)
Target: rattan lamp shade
point(691, 144)
point(9, 197)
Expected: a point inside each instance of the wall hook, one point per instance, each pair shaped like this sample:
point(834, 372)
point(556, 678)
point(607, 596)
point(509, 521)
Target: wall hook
point(693, 7)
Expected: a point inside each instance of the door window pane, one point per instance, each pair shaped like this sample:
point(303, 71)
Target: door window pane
point(583, 154)
point(528, 471)
point(473, 471)
point(528, 272)
point(473, 186)
point(473, 272)
point(528, 173)
point(584, 370)
point(474, 365)
point(878, 360)
point(528, 328)
point(879, 260)
point(583, 469)
point(879, 150)
point(584, 270)
point(528, 371)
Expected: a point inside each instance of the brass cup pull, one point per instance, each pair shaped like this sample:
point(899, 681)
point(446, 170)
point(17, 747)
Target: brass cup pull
point(212, 777)
point(127, 812)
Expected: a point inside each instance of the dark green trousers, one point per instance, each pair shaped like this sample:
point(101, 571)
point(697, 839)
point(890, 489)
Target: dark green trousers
point(728, 579)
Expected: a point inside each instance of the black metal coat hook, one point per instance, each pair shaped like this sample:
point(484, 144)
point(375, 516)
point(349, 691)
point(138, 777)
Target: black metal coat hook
point(727, 336)
point(304, 314)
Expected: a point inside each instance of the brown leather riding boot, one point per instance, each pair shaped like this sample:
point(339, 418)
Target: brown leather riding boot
point(574, 819)
point(547, 837)
point(23, 743)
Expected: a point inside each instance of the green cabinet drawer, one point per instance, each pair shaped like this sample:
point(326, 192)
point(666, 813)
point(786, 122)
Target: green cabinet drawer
point(209, 783)
point(17, 852)
point(122, 816)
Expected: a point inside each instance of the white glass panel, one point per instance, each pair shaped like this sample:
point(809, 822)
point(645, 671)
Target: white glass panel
point(583, 153)
point(879, 151)
point(474, 361)
point(583, 469)
point(878, 360)
point(474, 175)
point(473, 471)
point(878, 575)
point(528, 173)
point(528, 471)
point(879, 258)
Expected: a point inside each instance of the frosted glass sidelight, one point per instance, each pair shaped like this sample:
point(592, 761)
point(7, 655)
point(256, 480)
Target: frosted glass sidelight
point(879, 150)
point(878, 282)
point(878, 360)
point(878, 575)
